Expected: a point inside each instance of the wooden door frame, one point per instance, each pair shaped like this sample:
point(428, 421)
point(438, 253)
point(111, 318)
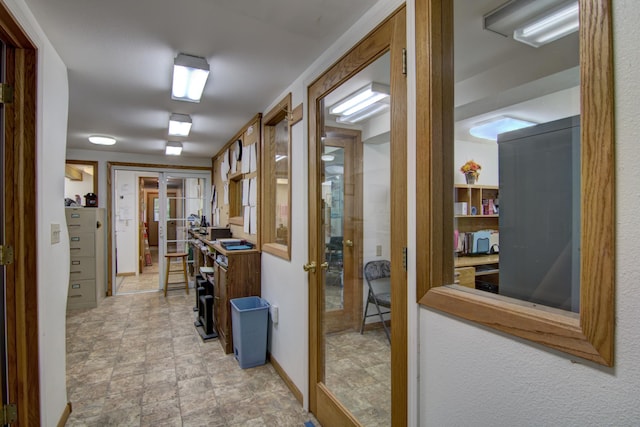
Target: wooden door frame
point(140, 167)
point(20, 222)
point(389, 36)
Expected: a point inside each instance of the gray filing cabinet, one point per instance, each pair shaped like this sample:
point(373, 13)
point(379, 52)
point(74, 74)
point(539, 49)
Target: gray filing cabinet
point(87, 275)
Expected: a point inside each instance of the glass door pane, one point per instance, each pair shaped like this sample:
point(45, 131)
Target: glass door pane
point(183, 199)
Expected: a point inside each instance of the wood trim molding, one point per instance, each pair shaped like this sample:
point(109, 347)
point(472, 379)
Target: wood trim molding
point(287, 380)
point(95, 172)
point(65, 415)
point(296, 115)
point(20, 192)
point(591, 335)
point(268, 185)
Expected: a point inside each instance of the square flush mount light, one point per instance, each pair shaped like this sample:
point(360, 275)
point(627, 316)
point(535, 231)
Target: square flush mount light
point(535, 23)
point(190, 74)
point(490, 129)
point(360, 100)
point(173, 148)
point(179, 125)
point(102, 140)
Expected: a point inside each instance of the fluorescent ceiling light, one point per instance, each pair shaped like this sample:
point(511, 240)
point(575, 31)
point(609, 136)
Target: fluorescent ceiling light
point(492, 128)
point(173, 148)
point(327, 157)
point(102, 140)
point(179, 125)
point(535, 23)
point(360, 99)
point(551, 27)
point(189, 77)
point(363, 114)
point(280, 157)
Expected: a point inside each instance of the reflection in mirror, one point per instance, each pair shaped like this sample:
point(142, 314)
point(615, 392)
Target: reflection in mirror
point(356, 179)
point(80, 179)
point(517, 150)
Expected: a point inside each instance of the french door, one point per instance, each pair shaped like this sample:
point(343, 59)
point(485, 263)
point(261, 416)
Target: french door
point(182, 200)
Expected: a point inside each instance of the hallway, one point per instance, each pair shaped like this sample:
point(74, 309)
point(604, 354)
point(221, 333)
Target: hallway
point(137, 360)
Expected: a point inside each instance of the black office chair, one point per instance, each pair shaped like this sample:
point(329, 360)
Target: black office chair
point(377, 270)
point(334, 252)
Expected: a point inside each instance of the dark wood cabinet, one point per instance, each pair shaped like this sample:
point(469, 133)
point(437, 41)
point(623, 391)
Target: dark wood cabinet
point(238, 277)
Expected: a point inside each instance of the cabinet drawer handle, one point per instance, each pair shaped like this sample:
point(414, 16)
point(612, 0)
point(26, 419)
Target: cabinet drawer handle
point(75, 215)
point(75, 262)
point(75, 286)
point(75, 239)
point(75, 249)
point(75, 296)
point(76, 272)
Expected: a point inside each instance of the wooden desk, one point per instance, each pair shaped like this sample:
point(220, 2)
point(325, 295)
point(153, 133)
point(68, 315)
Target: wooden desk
point(238, 277)
point(467, 268)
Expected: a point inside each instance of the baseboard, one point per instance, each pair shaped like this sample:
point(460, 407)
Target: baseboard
point(65, 415)
point(133, 273)
point(296, 392)
point(376, 325)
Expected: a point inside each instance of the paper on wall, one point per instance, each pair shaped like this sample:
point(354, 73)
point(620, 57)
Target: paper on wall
point(253, 166)
point(253, 192)
point(247, 220)
point(246, 160)
point(245, 192)
point(226, 193)
point(234, 161)
point(253, 227)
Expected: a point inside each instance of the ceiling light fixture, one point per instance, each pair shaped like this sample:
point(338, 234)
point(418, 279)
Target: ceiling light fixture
point(102, 140)
point(535, 23)
point(190, 74)
point(490, 129)
point(173, 148)
point(179, 125)
point(363, 114)
point(360, 99)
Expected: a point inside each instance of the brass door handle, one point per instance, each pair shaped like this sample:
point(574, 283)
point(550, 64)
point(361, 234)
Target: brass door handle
point(324, 265)
point(348, 243)
point(310, 267)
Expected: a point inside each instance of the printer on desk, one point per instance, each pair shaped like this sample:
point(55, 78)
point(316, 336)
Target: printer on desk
point(216, 233)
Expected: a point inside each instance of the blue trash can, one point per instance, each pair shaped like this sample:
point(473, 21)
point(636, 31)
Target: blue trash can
point(249, 321)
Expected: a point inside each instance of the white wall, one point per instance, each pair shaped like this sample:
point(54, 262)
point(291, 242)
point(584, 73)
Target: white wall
point(473, 376)
point(53, 259)
point(485, 154)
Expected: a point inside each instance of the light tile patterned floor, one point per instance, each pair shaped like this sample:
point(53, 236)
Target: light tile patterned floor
point(137, 360)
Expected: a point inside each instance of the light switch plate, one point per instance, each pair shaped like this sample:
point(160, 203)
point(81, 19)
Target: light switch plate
point(55, 233)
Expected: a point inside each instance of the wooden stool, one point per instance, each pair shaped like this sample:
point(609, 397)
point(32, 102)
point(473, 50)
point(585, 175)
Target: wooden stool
point(168, 257)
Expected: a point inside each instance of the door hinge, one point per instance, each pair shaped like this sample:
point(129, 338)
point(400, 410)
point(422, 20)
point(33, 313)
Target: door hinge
point(404, 258)
point(6, 255)
point(9, 413)
point(404, 61)
point(6, 93)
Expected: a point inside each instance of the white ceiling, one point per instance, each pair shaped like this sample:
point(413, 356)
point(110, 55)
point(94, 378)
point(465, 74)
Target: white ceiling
point(119, 55)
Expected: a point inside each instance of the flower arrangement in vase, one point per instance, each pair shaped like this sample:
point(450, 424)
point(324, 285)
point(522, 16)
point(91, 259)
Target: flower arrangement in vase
point(471, 171)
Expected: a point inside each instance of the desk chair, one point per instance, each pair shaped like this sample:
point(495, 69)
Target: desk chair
point(334, 252)
point(374, 270)
point(168, 257)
